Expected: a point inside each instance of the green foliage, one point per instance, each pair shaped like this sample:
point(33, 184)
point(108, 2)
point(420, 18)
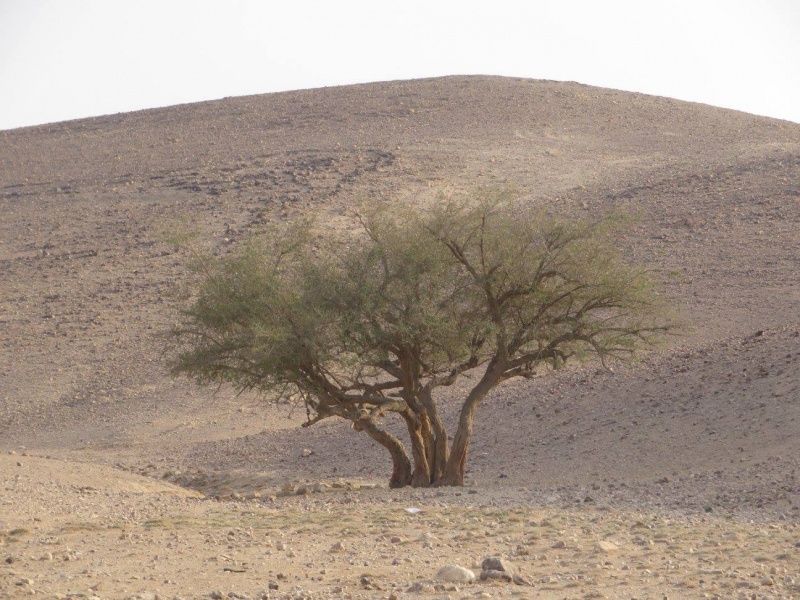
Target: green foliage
point(373, 322)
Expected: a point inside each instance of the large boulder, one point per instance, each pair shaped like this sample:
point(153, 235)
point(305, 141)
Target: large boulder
point(455, 574)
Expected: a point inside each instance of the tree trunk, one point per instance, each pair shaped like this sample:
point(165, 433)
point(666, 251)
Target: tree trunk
point(439, 447)
point(453, 474)
point(428, 445)
point(419, 450)
point(454, 469)
point(401, 465)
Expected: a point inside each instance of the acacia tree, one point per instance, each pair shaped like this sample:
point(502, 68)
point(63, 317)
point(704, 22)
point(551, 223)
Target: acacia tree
point(372, 324)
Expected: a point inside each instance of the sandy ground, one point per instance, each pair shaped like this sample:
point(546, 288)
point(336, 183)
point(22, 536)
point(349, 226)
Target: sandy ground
point(125, 484)
point(79, 530)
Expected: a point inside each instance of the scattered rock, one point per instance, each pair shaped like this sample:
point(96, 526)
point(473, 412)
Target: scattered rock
point(494, 567)
point(495, 563)
point(491, 575)
point(337, 547)
point(306, 452)
point(455, 574)
point(606, 547)
point(420, 587)
point(368, 583)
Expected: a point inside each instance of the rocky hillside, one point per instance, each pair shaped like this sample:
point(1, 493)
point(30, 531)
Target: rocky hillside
point(88, 279)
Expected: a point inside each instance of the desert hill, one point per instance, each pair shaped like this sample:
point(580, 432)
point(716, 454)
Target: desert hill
point(87, 278)
point(673, 476)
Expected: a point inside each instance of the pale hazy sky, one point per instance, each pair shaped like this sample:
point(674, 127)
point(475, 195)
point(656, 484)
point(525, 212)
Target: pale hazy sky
point(66, 59)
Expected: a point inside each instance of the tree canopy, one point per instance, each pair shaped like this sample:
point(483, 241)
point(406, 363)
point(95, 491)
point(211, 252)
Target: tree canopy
point(368, 325)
